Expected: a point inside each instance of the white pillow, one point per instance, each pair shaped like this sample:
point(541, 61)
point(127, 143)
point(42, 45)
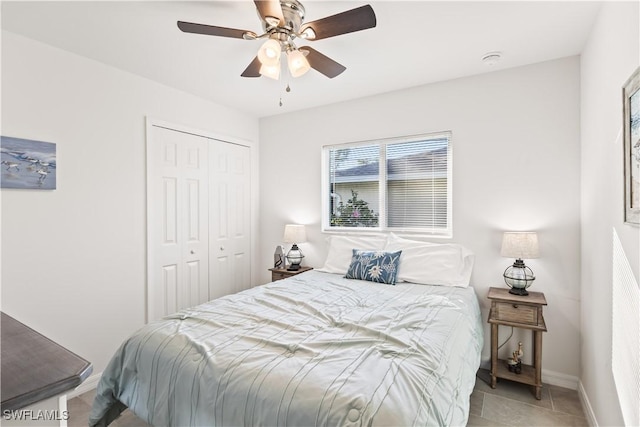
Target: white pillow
point(341, 249)
point(447, 264)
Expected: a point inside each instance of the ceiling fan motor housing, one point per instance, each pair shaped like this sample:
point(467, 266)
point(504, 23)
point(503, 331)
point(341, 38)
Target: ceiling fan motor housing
point(293, 13)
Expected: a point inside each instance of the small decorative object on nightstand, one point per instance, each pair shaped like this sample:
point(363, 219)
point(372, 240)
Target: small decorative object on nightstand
point(283, 273)
point(515, 363)
point(278, 257)
point(519, 312)
point(294, 233)
point(519, 245)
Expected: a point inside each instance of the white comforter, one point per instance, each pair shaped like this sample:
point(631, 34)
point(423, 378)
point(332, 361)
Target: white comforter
point(315, 349)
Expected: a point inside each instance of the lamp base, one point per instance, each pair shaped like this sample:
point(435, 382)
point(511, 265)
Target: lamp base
point(293, 267)
point(518, 291)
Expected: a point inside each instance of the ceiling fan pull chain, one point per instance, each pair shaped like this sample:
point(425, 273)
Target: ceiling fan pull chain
point(287, 89)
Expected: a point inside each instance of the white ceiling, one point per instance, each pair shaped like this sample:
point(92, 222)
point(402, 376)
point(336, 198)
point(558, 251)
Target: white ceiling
point(414, 43)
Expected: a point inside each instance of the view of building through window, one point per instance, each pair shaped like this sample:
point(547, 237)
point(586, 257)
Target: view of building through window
point(402, 183)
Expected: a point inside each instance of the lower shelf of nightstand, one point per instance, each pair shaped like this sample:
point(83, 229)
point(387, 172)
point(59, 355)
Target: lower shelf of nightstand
point(527, 376)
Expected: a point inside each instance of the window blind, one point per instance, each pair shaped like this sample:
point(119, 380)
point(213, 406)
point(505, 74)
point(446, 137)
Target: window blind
point(417, 184)
point(625, 363)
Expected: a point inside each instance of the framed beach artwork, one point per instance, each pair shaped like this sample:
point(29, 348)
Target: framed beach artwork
point(27, 164)
point(631, 128)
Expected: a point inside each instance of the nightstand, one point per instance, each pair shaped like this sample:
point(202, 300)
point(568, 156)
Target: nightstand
point(283, 273)
point(520, 312)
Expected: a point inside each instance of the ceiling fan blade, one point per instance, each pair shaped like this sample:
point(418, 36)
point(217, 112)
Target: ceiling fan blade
point(270, 9)
point(253, 70)
point(322, 63)
point(211, 30)
point(360, 18)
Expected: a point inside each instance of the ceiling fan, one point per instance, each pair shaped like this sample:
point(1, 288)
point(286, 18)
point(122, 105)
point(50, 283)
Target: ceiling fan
point(282, 22)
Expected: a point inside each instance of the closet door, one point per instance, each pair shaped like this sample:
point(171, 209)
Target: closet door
point(178, 229)
point(229, 218)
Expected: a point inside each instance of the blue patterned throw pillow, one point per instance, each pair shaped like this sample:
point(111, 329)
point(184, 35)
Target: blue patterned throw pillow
point(374, 266)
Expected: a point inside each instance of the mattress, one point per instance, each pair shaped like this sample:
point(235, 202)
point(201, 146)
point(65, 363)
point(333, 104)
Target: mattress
point(313, 349)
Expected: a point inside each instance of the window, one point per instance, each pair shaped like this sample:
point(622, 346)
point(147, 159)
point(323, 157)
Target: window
point(400, 184)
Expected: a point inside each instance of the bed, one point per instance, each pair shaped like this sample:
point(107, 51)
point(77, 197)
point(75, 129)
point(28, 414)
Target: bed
point(314, 349)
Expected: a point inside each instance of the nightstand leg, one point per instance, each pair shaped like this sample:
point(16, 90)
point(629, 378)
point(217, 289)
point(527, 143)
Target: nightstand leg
point(537, 354)
point(494, 354)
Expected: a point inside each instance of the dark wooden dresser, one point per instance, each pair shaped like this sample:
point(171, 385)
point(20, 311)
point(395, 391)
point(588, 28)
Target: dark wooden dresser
point(35, 368)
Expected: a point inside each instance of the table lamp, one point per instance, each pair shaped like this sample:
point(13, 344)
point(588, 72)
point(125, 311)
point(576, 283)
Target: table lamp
point(294, 233)
point(519, 245)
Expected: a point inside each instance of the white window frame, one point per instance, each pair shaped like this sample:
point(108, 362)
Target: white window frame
point(446, 232)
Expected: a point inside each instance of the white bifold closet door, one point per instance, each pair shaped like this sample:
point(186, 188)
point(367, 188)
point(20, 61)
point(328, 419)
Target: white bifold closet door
point(198, 191)
point(229, 219)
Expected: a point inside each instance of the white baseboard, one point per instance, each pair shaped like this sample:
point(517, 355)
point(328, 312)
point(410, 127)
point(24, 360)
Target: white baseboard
point(586, 406)
point(560, 380)
point(87, 385)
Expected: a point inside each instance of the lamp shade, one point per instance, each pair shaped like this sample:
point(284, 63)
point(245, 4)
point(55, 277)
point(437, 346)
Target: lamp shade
point(294, 233)
point(520, 245)
point(298, 64)
point(269, 53)
point(271, 71)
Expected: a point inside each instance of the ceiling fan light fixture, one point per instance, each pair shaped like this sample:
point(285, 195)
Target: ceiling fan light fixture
point(283, 22)
point(269, 53)
point(298, 64)
point(271, 71)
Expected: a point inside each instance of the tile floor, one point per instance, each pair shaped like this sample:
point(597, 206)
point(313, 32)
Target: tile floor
point(80, 407)
point(513, 404)
point(509, 404)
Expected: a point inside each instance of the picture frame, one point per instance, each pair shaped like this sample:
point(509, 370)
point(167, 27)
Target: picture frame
point(631, 134)
point(27, 164)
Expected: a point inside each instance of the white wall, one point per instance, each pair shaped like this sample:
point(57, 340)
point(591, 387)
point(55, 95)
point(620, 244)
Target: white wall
point(611, 55)
point(73, 259)
point(516, 166)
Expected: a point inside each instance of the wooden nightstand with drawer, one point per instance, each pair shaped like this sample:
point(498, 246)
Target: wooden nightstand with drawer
point(519, 312)
point(283, 273)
